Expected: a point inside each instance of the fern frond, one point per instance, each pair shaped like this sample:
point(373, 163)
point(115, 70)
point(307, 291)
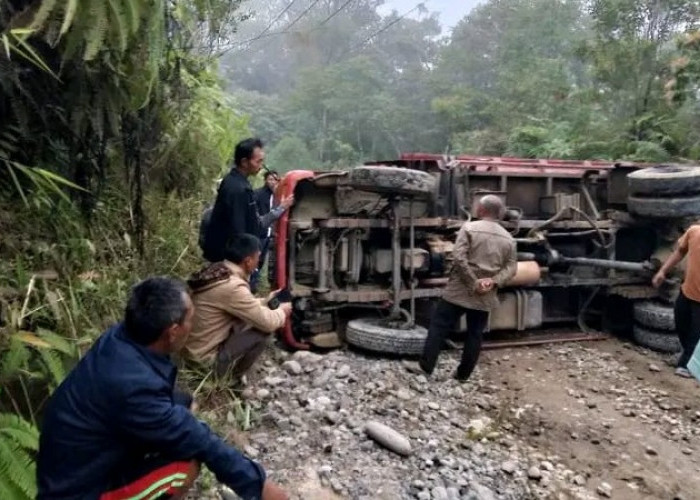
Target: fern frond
point(68, 16)
point(98, 30)
point(45, 10)
point(14, 358)
point(19, 430)
point(134, 9)
point(119, 23)
point(54, 365)
point(57, 342)
point(17, 470)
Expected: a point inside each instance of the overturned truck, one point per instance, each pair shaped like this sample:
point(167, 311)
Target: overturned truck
point(366, 251)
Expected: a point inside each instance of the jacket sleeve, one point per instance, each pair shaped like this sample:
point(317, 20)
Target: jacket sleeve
point(460, 261)
point(245, 306)
point(270, 217)
point(509, 268)
point(149, 416)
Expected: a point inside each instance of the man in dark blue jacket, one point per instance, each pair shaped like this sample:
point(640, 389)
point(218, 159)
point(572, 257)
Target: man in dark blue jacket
point(117, 429)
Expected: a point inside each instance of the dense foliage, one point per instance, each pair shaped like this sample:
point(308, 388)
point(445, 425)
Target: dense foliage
point(537, 78)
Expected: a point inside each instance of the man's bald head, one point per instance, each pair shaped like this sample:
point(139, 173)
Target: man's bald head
point(490, 207)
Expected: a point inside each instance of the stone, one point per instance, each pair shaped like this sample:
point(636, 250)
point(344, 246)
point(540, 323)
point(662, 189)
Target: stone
point(654, 368)
point(604, 490)
point(650, 451)
point(292, 367)
point(534, 473)
point(262, 394)
point(480, 492)
point(509, 467)
point(388, 437)
point(343, 371)
point(440, 493)
point(579, 480)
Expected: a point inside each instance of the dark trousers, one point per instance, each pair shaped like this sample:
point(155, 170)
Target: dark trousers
point(444, 320)
point(240, 351)
point(265, 245)
point(687, 317)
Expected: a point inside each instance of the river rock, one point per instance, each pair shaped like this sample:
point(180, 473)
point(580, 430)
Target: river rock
point(388, 437)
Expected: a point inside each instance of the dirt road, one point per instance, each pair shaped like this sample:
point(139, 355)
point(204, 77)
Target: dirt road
point(571, 421)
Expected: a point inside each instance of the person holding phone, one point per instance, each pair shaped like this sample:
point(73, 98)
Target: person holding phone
point(232, 326)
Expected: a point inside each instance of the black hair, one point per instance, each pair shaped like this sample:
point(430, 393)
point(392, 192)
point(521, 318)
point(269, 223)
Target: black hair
point(241, 246)
point(244, 149)
point(269, 173)
point(154, 305)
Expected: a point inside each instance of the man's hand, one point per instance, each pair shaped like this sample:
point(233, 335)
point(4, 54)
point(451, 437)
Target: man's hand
point(484, 285)
point(287, 308)
point(658, 279)
point(271, 295)
point(287, 201)
point(273, 492)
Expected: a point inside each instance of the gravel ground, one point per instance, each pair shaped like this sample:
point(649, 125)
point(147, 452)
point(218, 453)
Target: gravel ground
point(568, 421)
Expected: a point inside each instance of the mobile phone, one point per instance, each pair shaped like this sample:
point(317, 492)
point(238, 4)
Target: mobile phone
point(283, 295)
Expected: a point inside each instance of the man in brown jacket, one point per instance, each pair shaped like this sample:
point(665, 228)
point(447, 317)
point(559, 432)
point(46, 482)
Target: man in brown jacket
point(231, 326)
point(484, 259)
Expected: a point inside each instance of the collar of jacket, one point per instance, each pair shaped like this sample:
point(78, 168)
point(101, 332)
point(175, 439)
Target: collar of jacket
point(236, 270)
point(160, 362)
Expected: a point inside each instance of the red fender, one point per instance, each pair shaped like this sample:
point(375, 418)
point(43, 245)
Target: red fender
point(285, 188)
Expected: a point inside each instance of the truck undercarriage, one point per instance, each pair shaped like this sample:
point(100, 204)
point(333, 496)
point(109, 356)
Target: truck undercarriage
point(366, 252)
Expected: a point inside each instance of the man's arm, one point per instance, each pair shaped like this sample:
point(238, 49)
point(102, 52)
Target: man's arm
point(271, 217)
point(509, 269)
point(678, 254)
point(245, 306)
point(460, 260)
point(149, 416)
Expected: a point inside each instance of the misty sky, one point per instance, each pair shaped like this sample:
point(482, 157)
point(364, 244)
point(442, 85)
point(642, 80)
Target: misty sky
point(451, 11)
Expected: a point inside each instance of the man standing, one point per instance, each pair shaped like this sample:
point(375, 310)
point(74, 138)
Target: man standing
point(687, 310)
point(232, 326)
point(117, 429)
point(484, 259)
point(265, 198)
point(235, 210)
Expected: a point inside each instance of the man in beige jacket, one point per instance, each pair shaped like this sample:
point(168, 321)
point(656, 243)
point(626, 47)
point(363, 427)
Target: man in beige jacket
point(231, 325)
point(484, 259)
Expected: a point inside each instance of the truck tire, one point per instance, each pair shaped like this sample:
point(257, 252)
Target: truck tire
point(392, 180)
point(654, 315)
point(656, 340)
point(665, 180)
point(372, 334)
point(675, 207)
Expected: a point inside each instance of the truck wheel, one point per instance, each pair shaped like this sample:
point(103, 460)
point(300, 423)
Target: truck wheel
point(654, 315)
point(656, 340)
point(392, 180)
point(372, 334)
point(676, 207)
point(665, 180)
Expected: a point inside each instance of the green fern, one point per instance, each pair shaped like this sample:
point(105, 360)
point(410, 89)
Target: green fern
point(96, 34)
point(56, 370)
point(13, 359)
point(19, 440)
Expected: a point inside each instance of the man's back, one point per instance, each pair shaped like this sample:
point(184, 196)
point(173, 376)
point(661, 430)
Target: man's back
point(80, 440)
point(690, 242)
point(235, 212)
